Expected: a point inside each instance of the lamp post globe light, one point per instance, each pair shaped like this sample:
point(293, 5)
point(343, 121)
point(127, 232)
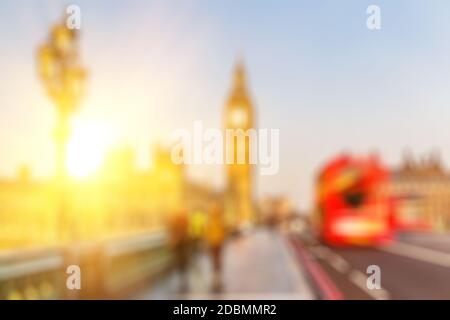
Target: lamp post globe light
point(63, 78)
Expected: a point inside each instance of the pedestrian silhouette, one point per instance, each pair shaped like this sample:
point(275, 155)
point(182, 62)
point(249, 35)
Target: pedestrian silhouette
point(179, 242)
point(215, 237)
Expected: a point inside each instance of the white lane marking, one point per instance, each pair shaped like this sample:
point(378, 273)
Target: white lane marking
point(321, 252)
point(360, 280)
point(418, 253)
point(311, 239)
point(338, 263)
point(333, 259)
point(357, 277)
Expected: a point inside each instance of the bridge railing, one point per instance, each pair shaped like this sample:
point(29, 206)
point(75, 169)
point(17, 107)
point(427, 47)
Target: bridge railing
point(109, 269)
point(31, 274)
point(135, 262)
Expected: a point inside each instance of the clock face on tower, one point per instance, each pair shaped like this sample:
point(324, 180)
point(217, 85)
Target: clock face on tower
point(239, 117)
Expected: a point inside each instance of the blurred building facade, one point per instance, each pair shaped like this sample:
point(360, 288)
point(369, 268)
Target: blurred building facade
point(275, 209)
point(24, 205)
point(140, 199)
point(421, 191)
point(119, 200)
point(239, 115)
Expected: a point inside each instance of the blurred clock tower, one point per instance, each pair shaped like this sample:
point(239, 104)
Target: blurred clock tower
point(239, 114)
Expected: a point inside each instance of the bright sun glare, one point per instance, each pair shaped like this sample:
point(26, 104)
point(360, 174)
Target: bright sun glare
point(87, 148)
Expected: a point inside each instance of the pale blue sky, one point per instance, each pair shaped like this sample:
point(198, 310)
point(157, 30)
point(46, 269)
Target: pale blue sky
point(315, 72)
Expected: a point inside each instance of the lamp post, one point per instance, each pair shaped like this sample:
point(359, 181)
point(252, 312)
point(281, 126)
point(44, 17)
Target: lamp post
point(63, 77)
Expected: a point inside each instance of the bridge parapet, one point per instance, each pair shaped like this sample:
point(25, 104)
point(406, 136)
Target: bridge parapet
point(109, 269)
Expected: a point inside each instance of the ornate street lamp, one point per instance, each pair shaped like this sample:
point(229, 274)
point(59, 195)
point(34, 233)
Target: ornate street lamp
point(63, 77)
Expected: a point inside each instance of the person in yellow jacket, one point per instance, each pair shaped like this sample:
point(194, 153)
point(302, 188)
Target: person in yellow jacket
point(197, 225)
point(215, 234)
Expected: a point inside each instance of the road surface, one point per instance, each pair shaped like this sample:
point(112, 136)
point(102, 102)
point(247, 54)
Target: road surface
point(415, 266)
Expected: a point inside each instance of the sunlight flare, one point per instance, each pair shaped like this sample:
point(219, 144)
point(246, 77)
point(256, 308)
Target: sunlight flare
point(87, 148)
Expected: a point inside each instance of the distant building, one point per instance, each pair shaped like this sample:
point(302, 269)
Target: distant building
point(275, 209)
point(421, 191)
point(27, 212)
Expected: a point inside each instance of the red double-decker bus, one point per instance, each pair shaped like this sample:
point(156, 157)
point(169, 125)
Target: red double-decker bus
point(352, 206)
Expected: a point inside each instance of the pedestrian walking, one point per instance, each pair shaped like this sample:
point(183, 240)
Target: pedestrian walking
point(215, 234)
point(179, 243)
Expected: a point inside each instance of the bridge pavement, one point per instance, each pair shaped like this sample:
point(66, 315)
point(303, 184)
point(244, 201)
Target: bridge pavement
point(259, 265)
